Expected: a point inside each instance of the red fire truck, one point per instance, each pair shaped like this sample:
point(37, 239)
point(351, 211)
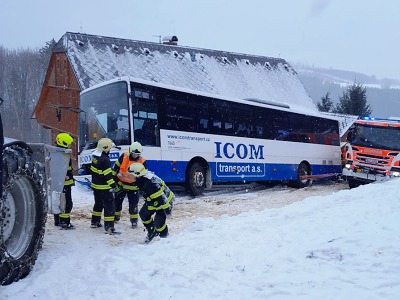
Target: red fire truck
point(373, 151)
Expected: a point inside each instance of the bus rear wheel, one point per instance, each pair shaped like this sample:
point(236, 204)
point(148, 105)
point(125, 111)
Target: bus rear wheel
point(196, 179)
point(303, 170)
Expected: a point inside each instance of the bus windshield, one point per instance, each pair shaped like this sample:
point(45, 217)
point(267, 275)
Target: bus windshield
point(104, 113)
point(387, 138)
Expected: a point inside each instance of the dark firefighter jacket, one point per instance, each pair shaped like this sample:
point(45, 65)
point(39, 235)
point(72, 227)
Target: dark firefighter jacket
point(102, 178)
point(69, 179)
point(155, 192)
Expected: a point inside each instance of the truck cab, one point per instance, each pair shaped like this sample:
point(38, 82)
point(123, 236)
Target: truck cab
point(372, 151)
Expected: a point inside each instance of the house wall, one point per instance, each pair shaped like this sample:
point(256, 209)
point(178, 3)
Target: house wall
point(60, 94)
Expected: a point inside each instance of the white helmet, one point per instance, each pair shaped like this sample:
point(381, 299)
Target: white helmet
point(105, 145)
point(138, 170)
point(136, 148)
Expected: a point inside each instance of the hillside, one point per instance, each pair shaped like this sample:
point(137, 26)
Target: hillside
point(383, 94)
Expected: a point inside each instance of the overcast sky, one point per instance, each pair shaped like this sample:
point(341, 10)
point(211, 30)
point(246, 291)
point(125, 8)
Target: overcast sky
point(353, 35)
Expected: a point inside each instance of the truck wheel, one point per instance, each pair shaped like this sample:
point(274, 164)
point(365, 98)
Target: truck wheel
point(196, 179)
point(352, 183)
point(23, 212)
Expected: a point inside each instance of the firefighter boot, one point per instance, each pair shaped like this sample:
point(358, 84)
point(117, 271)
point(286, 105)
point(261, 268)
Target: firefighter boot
point(56, 220)
point(134, 222)
point(151, 234)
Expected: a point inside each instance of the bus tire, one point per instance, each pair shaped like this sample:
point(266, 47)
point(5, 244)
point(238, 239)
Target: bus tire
point(196, 179)
point(23, 212)
point(302, 170)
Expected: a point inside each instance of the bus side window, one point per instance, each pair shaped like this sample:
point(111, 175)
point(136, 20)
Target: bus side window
point(259, 131)
point(203, 125)
point(217, 125)
point(242, 130)
point(228, 128)
point(200, 114)
point(149, 132)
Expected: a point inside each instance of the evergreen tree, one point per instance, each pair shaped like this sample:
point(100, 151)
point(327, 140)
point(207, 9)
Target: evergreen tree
point(326, 103)
point(354, 101)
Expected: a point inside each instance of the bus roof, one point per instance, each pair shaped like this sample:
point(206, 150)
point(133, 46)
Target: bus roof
point(251, 101)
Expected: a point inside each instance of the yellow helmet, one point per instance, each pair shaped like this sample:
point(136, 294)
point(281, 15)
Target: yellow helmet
point(64, 140)
point(135, 148)
point(137, 170)
point(105, 145)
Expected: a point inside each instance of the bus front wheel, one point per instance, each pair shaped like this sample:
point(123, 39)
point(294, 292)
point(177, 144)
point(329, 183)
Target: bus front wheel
point(196, 179)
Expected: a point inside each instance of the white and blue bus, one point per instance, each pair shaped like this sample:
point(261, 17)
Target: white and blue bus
point(196, 139)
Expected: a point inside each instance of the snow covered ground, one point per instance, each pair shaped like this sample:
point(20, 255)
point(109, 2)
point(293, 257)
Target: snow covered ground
point(321, 242)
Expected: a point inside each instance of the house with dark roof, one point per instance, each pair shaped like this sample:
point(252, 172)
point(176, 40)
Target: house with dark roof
point(80, 61)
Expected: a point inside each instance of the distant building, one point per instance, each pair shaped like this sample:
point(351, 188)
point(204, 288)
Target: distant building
point(80, 60)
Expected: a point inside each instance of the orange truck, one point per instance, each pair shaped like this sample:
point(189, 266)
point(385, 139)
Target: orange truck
point(372, 152)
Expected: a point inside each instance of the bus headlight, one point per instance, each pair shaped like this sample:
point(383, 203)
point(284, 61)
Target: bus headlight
point(347, 166)
point(396, 174)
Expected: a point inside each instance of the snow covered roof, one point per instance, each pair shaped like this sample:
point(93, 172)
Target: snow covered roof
point(95, 59)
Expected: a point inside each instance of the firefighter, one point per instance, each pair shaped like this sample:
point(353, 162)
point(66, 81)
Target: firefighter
point(103, 186)
point(344, 147)
point(158, 198)
point(64, 140)
point(126, 182)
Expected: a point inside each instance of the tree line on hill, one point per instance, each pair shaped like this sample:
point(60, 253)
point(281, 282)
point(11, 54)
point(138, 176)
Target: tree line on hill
point(384, 100)
point(22, 73)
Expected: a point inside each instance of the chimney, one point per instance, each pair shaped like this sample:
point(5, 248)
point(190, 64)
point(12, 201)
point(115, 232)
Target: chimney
point(170, 40)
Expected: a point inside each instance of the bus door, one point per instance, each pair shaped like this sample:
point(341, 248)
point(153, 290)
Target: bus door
point(145, 121)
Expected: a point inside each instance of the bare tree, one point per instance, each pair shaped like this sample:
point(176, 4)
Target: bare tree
point(22, 74)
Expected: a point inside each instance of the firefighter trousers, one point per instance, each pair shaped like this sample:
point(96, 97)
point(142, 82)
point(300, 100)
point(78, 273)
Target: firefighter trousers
point(133, 200)
point(159, 221)
point(103, 200)
point(64, 217)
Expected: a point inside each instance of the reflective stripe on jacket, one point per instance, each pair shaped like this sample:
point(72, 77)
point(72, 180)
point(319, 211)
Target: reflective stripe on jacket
point(155, 192)
point(69, 178)
point(102, 178)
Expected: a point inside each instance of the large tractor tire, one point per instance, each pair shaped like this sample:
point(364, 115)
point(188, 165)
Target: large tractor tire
point(23, 212)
